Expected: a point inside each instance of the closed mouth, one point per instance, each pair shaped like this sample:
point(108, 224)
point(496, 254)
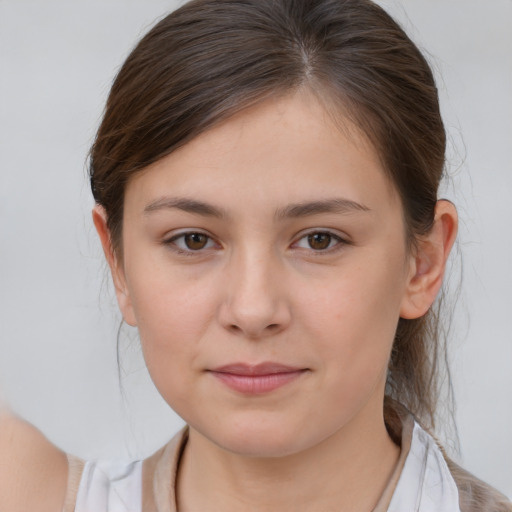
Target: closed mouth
point(257, 379)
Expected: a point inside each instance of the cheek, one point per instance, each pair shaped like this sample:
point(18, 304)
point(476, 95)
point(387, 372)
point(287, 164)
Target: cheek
point(173, 312)
point(353, 318)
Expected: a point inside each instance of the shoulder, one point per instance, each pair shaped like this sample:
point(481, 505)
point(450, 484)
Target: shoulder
point(33, 472)
point(432, 481)
point(474, 494)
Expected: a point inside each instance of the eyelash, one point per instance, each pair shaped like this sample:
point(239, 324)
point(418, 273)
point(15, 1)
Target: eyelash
point(339, 243)
point(171, 243)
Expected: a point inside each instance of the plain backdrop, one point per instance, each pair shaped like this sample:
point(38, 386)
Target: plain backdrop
point(58, 320)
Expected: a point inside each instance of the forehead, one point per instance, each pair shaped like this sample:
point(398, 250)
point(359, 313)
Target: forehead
point(283, 150)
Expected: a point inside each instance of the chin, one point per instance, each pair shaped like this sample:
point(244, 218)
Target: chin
point(260, 439)
point(264, 447)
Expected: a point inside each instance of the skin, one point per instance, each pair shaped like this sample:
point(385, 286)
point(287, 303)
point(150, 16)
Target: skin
point(258, 291)
point(33, 472)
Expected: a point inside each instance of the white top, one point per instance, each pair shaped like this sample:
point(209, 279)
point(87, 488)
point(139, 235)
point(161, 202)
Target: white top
point(108, 486)
point(425, 483)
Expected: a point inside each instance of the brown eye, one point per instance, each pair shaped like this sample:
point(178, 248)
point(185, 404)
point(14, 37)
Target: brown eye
point(319, 241)
point(195, 241)
point(191, 243)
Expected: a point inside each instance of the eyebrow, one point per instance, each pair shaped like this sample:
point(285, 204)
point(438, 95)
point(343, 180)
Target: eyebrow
point(186, 205)
point(297, 210)
point(333, 205)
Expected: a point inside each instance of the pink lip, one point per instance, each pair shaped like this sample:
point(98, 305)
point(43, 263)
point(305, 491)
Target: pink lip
point(256, 379)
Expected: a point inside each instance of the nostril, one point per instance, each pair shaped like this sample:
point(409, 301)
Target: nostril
point(237, 329)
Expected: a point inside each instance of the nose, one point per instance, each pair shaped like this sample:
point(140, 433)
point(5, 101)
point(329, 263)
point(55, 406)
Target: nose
point(254, 302)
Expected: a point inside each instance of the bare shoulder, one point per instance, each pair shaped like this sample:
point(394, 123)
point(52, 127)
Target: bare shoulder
point(33, 472)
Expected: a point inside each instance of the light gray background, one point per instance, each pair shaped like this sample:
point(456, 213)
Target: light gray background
point(58, 321)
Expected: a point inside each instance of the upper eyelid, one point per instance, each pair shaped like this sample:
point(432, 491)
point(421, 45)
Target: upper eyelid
point(168, 240)
point(173, 236)
point(334, 233)
point(342, 242)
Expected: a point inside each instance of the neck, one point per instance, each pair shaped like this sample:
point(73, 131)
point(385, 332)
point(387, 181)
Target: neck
point(348, 471)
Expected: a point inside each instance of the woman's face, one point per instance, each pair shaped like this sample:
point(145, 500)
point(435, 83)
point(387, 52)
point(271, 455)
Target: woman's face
point(265, 266)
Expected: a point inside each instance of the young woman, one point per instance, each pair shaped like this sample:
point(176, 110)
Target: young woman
point(266, 181)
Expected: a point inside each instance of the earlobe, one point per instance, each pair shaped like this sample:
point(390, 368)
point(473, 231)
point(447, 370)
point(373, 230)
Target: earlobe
point(99, 217)
point(428, 262)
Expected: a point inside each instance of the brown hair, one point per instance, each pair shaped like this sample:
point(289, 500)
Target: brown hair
point(212, 58)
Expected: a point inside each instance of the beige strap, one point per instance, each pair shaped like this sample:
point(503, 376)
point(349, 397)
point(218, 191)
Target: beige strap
point(407, 427)
point(75, 469)
point(159, 473)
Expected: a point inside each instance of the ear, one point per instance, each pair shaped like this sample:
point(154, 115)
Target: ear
point(428, 262)
point(99, 217)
